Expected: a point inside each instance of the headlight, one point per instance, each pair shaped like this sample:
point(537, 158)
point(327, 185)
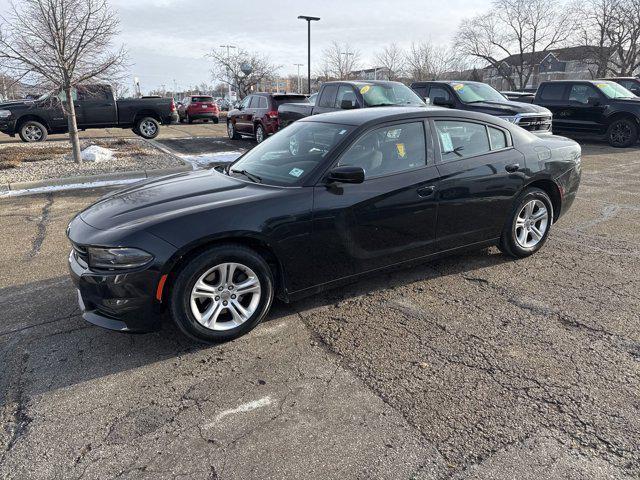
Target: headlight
point(117, 258)
point(5, 113)
point(513, 119)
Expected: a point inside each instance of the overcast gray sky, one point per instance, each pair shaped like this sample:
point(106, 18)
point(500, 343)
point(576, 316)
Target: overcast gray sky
point(168, 39)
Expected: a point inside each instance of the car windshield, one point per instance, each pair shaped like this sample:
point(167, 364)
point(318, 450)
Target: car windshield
point(376, 95)
point(312, 99)
point(288, 157)
point(614, 90)
point(477, 92)
point(201, 99)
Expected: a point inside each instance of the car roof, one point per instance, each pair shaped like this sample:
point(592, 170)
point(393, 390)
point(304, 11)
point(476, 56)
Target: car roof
point(445, 82)
point(362, 116)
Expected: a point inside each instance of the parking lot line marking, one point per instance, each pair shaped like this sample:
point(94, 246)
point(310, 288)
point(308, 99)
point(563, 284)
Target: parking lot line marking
point(245, 407)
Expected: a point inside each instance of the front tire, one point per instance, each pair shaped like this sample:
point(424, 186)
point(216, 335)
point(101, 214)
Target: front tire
point(222, 294)
point(622, 133)
point(527, 227)
point(260, 134)
point(147, 127)
point(32, 131)
point(232, 132)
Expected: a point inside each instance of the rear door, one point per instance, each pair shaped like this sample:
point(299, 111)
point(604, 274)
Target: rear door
point(242, 124)
point(327, 99)
point(554, 97)
point(476, 192)
point(98, 105)
point(389, 218)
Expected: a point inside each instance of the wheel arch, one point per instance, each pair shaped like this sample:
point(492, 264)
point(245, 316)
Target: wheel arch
point(251, 241)
point(552, 189)
point(623, 115)
point(146, 113)
point(25, 118)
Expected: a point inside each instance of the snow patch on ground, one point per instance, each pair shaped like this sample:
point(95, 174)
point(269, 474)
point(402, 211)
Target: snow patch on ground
point(206, 159)
point(245, 407)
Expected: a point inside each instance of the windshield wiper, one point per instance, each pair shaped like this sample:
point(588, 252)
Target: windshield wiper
point(254, 178)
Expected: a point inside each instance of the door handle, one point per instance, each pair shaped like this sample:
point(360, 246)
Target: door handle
point(426, 192)
point(512, 167)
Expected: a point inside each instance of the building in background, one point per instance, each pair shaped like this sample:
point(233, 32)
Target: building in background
point(277, 85)
point(375, 73)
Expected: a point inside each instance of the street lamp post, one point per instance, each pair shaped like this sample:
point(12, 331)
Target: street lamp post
point(299, 85)
point(229, 47)
point(308, 20)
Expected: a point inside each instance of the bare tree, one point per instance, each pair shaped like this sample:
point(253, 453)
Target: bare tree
point(340, 60)
point(120, 89)
point(59, 44)
point(519, 29)
point(624, 36)
point(426, 61)
point(596, 18)
point(241, 69)
point(392, 58)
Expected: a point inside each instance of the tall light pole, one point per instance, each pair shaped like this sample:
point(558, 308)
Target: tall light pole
point(308, 20)
point(346, 62)
point(229, 47)
point(299, 65)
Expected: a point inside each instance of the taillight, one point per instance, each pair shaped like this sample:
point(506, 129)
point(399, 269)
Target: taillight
point(173, 105)
point(272, 114)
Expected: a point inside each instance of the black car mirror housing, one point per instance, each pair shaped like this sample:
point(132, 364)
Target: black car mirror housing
point(441, 102)
point(348, 104)
point(346, 174)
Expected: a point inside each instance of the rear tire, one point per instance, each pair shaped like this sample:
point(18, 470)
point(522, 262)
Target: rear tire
point(189, 119)
point(622, 133)
point(199, 291)
point(527, 227)
point(32, 131)
point(216, 120)
point(147, 127)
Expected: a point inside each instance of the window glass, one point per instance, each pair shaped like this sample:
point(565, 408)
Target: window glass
point(328, 96)
point(421, 90)
point(202, 99)
point(345, 93)
point(552, 91)
point(614, 90)
point(472, 92)
point(388, 150)
point(255, 101)
point(393, 93)
point(498, 138)
point(437, 91)
point(461, 139)
point(582, 93)
point(263, 102)
point(246, 101)
point(292, 154)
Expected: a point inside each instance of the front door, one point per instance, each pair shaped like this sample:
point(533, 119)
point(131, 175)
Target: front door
point(477, 188)
point(242, 123)
point(389, 218)
point(586, 108)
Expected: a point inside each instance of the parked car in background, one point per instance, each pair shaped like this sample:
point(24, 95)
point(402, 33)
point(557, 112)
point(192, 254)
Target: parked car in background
point(257, 115)
point(524, 97)
point(374, 188)
point(600, 109)
point(630, 83)
point(483, 98)
point(223, 104)
point(198, 107)
point(348, 95)
point(95, 107)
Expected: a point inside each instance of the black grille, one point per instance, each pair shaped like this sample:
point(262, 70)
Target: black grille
point(81, 254)
point(540, 123)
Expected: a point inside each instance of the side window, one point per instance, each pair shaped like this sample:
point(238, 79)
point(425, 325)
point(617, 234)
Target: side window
point(582, 93)
point(346, 94)
point(246, 101)
point(263, 102)
point(255, 101)
point(461, 139)
point(421, 90)
point(437, 91)
point(388, 150)
point(497, 138)
point(328, 96)
point(552, 91)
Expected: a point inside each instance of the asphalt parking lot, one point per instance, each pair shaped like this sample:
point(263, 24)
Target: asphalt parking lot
point(473, 367)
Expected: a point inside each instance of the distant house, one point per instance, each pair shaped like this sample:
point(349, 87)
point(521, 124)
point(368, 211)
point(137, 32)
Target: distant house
point(558, 64)
point(375, 73)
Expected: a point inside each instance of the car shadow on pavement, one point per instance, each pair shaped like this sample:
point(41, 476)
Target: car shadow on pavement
point(51, 347)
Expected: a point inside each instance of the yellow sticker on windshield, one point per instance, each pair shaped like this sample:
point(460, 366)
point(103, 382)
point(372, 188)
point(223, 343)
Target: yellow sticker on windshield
point(601, 85)
point(401, 151)
point(458, 86)
point(365, 89)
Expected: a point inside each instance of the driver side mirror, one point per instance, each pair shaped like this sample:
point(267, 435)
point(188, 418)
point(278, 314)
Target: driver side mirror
point(593, 101)
point(348, 104)
point(442, 102)
point(240, 107)
point(346, 174)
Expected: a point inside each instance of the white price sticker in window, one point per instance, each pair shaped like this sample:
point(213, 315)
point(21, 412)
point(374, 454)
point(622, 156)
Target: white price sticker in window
point(447, 144)
point(296, 172)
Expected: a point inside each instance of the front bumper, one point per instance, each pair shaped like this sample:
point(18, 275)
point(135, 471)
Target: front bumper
point(8, 126)
point(122, 301)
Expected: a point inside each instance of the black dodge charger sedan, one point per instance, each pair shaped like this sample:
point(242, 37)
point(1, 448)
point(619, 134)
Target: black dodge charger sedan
point(329, 198)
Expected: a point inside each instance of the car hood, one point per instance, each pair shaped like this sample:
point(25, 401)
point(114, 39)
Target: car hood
point(15, 104)
point(153, 201)
point(628, 101)
point(508, 108)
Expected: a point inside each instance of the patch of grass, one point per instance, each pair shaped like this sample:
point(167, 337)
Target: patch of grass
point(12, 157)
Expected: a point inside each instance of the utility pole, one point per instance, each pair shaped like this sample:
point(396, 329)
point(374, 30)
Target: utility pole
point(346, 63)
point(175, 88)
point(308, 20)
point(229, 47)
point(299, 85)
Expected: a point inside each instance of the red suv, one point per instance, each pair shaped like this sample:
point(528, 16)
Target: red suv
point(257, 115)
point(198, 107)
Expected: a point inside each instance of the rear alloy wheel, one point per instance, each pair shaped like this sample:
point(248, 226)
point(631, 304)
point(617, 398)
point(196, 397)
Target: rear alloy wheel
point(147, 127)
point(260, 134)
point(189, 119)
point(231, 131)
point(623, 133)
point(222, 293)
point(528, 225)
point(32, 131)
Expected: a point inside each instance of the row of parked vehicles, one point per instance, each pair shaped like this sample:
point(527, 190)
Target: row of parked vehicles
point(597, 109)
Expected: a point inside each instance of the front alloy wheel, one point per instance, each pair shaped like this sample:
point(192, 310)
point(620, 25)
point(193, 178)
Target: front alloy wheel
point(623, 133)
point(260, 135)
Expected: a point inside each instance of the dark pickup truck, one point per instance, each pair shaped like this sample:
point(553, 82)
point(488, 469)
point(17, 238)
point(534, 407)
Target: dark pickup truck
point(482, 98)
point(347, 95)
point(594, 108)
point(95, 107)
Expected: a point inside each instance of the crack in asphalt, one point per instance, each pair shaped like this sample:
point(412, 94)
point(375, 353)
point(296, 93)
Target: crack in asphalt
point(41, 227)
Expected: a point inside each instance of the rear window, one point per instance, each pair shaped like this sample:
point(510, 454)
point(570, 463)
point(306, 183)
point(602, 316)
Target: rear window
point(280, 100)
point(552, 91)
point(202, 99)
